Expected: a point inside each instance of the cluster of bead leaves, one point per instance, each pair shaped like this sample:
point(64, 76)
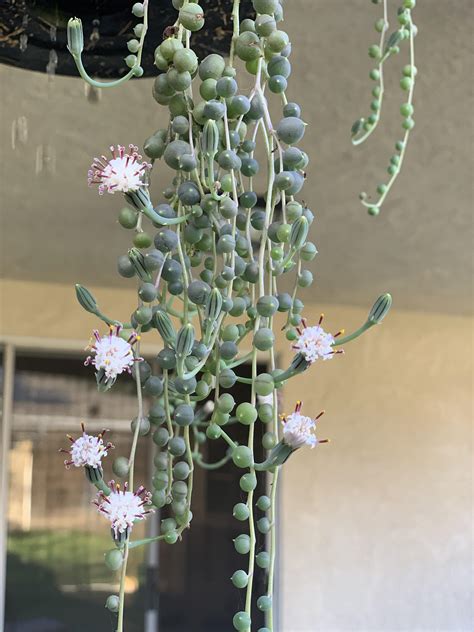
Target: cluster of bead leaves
point(208, 285)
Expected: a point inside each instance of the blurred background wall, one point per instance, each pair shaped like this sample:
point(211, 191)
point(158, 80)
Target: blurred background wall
point(377, 525)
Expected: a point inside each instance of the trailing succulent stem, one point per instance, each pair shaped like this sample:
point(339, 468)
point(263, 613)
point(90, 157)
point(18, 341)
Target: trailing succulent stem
point(381, 53)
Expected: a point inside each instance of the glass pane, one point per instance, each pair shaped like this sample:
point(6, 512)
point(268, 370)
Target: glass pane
point(56, 578)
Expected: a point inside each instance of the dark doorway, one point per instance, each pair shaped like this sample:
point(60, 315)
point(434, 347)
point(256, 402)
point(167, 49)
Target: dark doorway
point(196, 594)
point(56, 579)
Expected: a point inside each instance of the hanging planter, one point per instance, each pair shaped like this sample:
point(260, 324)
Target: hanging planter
point(33, 34)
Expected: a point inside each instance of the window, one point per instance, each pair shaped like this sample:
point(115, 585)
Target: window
point(56, 579)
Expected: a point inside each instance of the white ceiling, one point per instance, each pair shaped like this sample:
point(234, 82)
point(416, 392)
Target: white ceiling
point(54, 228)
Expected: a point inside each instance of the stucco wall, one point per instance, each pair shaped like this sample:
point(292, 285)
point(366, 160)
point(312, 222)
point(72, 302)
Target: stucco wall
point(376, 526)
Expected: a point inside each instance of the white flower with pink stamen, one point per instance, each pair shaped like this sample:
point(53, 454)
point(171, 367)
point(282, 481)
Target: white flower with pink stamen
point(112, 354)
point(123, 172)
point(87, 450)
point(314, 343)
point(298, 430)
point(123, 508)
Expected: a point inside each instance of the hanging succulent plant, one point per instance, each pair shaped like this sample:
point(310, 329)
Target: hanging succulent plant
point(208, 278)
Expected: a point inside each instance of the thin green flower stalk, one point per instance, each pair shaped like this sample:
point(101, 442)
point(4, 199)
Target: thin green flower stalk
point(75, 39)
point(207, 262)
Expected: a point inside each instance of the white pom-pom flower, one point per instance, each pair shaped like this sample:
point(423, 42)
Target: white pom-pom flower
point(123, 508)
point(111, 354)
point(314, 343)
point(299, 430)
point(87, 450)
point(123, 172)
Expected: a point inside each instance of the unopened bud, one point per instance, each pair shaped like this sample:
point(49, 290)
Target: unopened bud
point(185, 340)
point(299, 232)
point(210, 139)
point(86, 300)
point(164, 325)
point(75, 36)
point(138, 262)
point(213, 304)
point(380, 309)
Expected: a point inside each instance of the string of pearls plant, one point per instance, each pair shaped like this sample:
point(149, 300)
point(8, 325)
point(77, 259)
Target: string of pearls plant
point(381, 53)
point(208, 281)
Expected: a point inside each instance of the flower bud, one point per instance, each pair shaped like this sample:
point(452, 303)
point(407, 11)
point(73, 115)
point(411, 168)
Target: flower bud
point(86, 300)
point(213, 304)
point(299, 232)
point(380, 309)
point(75, 36)
point(165, 327)
point(138, 262)
point(210, 139)
point(185, 340)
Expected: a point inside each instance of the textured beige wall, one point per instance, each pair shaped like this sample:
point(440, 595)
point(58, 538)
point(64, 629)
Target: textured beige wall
point(376, 526)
